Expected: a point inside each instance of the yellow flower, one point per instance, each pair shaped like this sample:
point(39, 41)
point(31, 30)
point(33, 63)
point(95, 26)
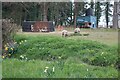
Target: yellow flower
point(6, 48)
point(11, 48)
point(3, 57)
point(9, 54)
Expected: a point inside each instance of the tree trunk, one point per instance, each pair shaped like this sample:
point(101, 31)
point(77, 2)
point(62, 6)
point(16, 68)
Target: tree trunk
point(45, 12)
point(115, 16)
point(75, 14)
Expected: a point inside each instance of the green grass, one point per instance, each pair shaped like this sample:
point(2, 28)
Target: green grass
point(35, 69)
point(79, 58)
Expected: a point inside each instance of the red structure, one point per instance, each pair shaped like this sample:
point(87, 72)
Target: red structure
point(38, 26)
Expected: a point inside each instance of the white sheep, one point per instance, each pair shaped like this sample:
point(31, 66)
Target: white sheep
point(77, 30)
point(64, 33)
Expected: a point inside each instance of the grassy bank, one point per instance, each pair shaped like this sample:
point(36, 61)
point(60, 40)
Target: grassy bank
point(69, 58)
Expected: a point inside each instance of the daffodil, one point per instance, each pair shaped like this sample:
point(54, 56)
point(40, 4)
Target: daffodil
point(11, 48)
point(53, 69)
point(25, 40)
point(9, 54)
point(21, 56)
point(45, 70)
point(46, 67)
point(15, 42)
point(59, 57)
point(7, 44)
point(6, 48)
point(3, 57)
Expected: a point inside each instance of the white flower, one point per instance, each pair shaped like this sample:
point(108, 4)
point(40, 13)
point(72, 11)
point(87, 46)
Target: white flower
point(46, 67)
point(59, 57)
point(53, 69)
point(87, 69)
point(102, 53)
point(21, 56)
point(25, 40)
point(45, 70)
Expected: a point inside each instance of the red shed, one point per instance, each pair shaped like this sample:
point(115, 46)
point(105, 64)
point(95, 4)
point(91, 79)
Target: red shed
point(43, 26)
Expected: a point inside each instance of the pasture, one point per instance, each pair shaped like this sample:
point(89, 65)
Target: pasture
point(48, 55)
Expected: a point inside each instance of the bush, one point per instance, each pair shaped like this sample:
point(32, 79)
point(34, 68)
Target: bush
point(9, 28)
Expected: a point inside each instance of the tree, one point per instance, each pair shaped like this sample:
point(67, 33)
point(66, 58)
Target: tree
point(92, 4)
point(78, 10)
point(98, 11)
point(115, 14)
point(107, 12)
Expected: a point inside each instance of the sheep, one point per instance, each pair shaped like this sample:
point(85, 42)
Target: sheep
point(64, 33)
point(77, 30)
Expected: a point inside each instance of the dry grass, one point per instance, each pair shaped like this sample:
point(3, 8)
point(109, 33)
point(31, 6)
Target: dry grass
point(106, 36)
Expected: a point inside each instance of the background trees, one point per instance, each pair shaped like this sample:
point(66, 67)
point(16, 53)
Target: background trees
point(63, 13)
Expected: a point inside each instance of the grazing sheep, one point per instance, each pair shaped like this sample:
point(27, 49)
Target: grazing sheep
point(77, 30)
point(64, 33)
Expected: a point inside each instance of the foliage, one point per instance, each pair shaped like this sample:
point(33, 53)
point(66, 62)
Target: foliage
point(9, 28)
point(50, 48)
point(98, 11)
point(72, 68)
point(53, 57)
point(108, 13)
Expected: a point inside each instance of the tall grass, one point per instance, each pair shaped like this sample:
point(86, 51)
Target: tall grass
point(71, 58)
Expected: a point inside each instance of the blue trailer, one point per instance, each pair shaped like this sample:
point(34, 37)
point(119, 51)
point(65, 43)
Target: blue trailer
point(86, 22)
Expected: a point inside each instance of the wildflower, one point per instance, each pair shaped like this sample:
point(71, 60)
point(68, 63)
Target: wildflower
point(15, 42)
point(102, 53)
point(25, 40)
point(11, 48)
point(21, 56)
point(6, 48)
point(3, 57)
point(20, 43)
point(104, 57)
point(26, 58)
point(45, 70)
point(9, 54)
point(46, 67)
point(7, 44)
point(59, 57)
point(53, 69)
point(87, 69)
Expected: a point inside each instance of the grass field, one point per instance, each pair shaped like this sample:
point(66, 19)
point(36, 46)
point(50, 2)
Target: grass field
point(48, 55)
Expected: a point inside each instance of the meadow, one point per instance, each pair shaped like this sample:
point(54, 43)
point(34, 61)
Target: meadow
point(48, 55)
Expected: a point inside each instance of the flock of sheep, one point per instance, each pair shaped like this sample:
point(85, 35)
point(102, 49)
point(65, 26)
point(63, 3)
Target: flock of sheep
point(65, 32)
